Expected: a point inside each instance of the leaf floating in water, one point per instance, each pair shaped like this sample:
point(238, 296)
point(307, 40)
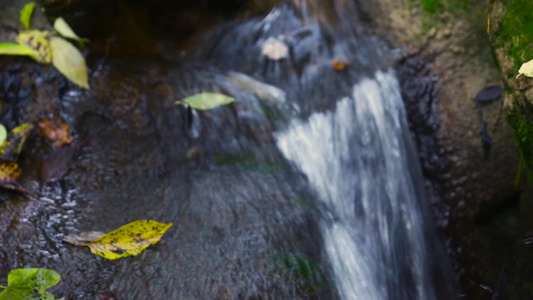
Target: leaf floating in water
point(56, 132)
point(11, 148)
point(84, 238)
point(206, 101)
point(30, 284)
point(61, 26)
point(37, 41)
point(274, 49)
point(69, 61)
point(129, 240)
point(526, 69)
point(25, 14)
point(339, 65)
point(15, 49)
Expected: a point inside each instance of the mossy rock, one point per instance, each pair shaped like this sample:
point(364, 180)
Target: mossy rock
point(510, 27)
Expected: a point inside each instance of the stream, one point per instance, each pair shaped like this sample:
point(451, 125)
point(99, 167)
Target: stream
point(308, 187)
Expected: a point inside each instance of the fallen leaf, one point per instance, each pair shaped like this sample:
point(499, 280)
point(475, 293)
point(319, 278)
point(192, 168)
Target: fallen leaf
point(69, 61)
point(205, 101)
point(9, 176)
point(25, 14)
point(25, 284)
point(61, 26)
point(129, 240)
point(37, 41)
point(56, 132)
point(14, 49)
point(339, 65)
point(526, 69)
point(84, 238)
point(274, 49)
point(12, 146)
point(3, 134)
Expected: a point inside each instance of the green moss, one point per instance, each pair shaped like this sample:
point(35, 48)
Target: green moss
point(517, 29)
point(523, 136)
point(303, 271)
point(247, 161)
point(431, 6)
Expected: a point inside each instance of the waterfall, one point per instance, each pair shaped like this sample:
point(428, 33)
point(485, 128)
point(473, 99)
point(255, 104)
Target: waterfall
point(357, 159)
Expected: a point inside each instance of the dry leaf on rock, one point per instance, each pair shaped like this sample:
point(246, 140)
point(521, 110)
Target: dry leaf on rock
point(9, 176)
point(339, 65)
point(274, 49)
point(206, 101)
point(526, 69)
point(69, 61)
point(11, 148)
point(56, 132)
point(37, 41)
point(129, 240)
point(61, 26)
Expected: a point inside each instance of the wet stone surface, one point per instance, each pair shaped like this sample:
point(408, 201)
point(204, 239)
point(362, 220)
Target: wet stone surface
point(232, 219)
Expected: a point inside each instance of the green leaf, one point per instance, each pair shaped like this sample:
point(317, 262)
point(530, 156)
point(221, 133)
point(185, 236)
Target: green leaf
point(37, 41)
point(25, 14)
point(129, 240)
point(205, 101)
point(69, 61)
point(23, 284)
point(14, 49)
point(61, 26)
point(526, 69)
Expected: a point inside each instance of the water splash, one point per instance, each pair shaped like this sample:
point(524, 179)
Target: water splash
point(357, 159)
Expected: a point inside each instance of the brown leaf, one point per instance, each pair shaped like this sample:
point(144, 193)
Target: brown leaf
point(55, 132)
point(339, 65)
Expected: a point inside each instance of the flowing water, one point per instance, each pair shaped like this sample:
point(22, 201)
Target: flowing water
point(358, 160)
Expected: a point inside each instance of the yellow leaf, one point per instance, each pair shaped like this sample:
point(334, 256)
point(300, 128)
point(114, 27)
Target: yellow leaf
point(205, 101)
point(69, 61)
point(37, 41)
point(61, 26)
point(12, 146)
point(129, 240)
point(25, 14)
point(9, 174)
point(526, 69)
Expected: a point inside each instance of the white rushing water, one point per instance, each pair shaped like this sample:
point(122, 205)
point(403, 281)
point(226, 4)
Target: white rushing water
point(356, 159)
